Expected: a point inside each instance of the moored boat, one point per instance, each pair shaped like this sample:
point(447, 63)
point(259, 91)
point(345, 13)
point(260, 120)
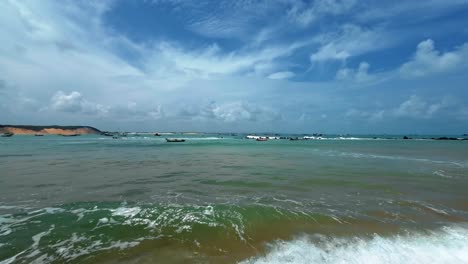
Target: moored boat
point(175, 140)
point(7, 134)
point(71, 135)
point(262, 139)
point(38, 135)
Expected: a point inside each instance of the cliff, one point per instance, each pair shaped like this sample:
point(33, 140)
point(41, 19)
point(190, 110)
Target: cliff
point(48, 130)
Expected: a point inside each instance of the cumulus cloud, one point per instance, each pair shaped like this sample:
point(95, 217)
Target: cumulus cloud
point(361, 74)
point(281, 75)
point(416, 107)
point(132, 111)
point(231, 112)
point(75, 103)
point(428, 60)
point(72, 102)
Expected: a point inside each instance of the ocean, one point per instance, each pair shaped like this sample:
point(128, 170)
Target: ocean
point(224, 199)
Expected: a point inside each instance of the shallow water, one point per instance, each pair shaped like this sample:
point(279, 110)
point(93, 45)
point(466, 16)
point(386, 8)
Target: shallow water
point(139, 199)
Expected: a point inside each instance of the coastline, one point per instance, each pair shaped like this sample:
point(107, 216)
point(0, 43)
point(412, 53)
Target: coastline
point(48, 130)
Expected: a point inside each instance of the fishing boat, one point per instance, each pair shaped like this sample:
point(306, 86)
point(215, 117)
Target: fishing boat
point(71, 135)
point(7, 134)
point(175, 140)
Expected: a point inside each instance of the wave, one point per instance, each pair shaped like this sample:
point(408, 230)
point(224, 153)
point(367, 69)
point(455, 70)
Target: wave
point(162, 139)
point(447, 245)
point(458, 163)
point(75, 231)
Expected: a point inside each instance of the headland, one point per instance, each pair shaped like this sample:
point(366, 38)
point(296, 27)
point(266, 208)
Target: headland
point(48, 130)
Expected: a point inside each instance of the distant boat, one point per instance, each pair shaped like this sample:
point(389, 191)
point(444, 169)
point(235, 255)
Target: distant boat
point(115, 137)
point(107, 134)
point(262, 139)
point(7, 134)
point(157, 134)
point(38, 135)
point(175, 140)
point(296, 138)
point(71, 135)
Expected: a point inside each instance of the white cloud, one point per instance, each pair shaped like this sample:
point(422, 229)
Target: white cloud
point(413, 107)
point(75, 103)
point(72, 102)
point(237, 111)
point(361, 74)
point(431, 10)
point(351, 41)
point(211, 61)
point(281, 75)
point(428, 60)
point(304, 14)
point(224, 19)
point(416, 107)
point(132, 111)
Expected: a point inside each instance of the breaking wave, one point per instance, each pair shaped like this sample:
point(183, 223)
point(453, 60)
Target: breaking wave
point(447, 245)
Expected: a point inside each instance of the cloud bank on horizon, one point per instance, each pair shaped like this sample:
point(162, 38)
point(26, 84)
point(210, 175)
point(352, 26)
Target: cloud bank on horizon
point(333, 66)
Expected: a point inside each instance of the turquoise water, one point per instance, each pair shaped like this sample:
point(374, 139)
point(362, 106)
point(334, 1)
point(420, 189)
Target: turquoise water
point(224, 199)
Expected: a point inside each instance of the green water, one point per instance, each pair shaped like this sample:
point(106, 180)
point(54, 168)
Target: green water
point(94, 199)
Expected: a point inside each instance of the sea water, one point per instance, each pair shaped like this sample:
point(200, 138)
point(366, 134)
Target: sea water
point(224, 199)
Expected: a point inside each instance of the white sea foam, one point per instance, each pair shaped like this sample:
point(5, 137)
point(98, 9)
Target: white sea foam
point(128, 212)
point(206, 138)
point(448, 245)
point(442, 174)
point(67, 249)
point(462, 164)
point(8, 207)
point(33, 249)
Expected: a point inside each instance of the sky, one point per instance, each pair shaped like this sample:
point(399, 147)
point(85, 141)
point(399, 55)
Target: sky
point(292, 66)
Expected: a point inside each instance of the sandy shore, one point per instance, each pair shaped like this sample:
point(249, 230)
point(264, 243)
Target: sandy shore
point(48, 131)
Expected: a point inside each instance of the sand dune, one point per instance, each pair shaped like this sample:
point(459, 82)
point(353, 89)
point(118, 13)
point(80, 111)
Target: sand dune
point(48, 130)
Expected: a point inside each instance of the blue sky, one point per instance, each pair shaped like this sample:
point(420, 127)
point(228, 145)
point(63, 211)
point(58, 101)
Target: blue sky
point(326, 66)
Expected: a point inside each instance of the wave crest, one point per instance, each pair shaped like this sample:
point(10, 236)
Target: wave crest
point(448, 245)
